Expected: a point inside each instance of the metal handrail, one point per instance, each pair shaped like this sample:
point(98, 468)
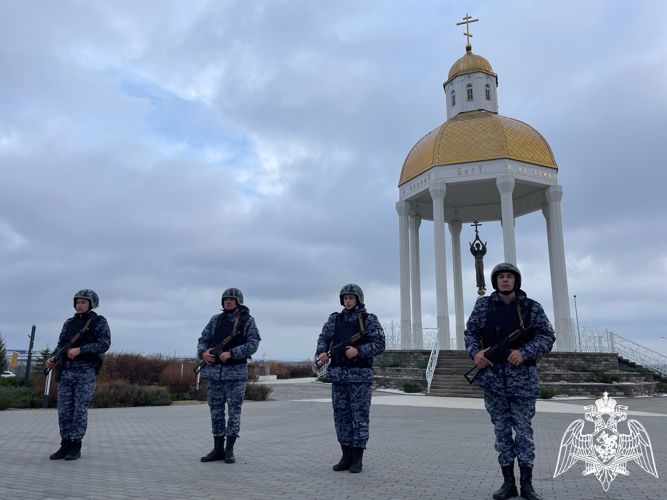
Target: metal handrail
point(432, 360)
point(593, 339)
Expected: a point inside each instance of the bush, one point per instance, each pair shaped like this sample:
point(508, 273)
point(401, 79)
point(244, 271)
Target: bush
point(283, 370)
point(278, 369)
point(133, 368)
point(11, 382)
point(14, 397)
point(120, 393)
point(423, 364)
point(253, 372)
point(605, 378)
point(411, 388)
point(661, 387)
point(257, 392)
point(546, 393)
point(178, 377)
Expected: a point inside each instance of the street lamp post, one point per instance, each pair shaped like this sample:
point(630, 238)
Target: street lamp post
point(576, 315)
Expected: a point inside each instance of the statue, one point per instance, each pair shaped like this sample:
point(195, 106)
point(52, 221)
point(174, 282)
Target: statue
point(478, 250)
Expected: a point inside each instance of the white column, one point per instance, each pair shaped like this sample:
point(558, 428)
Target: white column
point(438, 196)
point(562, 317)
point(415, 282)
point(505, 184)
point(403, 209)
point(455, 231)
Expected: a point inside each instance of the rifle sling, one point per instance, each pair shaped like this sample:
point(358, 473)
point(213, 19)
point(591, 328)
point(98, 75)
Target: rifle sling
point(80, 333)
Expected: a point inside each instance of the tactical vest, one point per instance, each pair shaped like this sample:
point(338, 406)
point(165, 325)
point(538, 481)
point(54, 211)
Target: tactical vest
point(342, 333)
point(501, 320)
point(88, 337)
point(224, 327)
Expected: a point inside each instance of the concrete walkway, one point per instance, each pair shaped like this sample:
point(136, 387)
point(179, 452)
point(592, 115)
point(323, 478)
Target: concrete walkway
point(420, 448)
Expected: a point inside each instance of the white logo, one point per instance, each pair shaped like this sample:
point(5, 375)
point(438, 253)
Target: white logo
point(605, 451)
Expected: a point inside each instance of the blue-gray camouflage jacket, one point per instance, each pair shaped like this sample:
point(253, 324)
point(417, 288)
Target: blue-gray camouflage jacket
point(228, 372)
point(94, 342)
point(504, 378)
point(373, 345)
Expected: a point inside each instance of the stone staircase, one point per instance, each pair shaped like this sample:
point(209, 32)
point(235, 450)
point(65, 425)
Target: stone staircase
point(590, 374)
point(395, 369)
point(560, 373)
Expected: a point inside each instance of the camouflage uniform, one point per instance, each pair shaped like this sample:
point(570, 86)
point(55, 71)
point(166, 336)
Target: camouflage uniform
point(77, 381)
point(226, 381)
point(510, 392)
point(351, 379)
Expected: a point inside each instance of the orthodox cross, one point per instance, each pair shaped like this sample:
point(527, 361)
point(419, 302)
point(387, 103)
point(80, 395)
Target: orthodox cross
point(467, 20)
point(476, 224)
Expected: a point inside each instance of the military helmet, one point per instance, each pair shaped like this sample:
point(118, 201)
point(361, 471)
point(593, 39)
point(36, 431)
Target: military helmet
point(87, 294)
point(232, 293)
point(506, 267)
point(352, 289)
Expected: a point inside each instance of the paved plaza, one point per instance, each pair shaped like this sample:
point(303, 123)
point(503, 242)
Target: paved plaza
point(420, 448)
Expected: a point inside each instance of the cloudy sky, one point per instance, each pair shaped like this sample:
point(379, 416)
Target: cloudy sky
point(159, 152)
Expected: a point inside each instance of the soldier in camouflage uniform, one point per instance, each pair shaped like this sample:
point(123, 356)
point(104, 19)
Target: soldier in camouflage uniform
point(510, 387)
point(226, 369)
point(77, 367)
point(351, 372)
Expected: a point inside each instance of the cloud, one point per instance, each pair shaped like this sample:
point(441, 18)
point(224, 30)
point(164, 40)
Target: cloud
point(159, 154)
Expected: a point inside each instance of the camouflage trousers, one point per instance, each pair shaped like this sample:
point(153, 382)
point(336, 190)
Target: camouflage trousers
point(75, 393)
point(512, 413)
point(351, 407)
point(232, 393)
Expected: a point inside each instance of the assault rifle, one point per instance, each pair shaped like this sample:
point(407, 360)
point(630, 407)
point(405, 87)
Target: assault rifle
point(216, 351)
point(497, 353)
point(320, 368)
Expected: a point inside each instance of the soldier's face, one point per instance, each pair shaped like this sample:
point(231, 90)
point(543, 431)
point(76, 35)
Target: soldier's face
point(506, 282)
point(229, 303)
point(82, 306)
point(349, 301)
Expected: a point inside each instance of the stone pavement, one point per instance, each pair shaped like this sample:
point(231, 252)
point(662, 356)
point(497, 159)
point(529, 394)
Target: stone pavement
point(420, 448)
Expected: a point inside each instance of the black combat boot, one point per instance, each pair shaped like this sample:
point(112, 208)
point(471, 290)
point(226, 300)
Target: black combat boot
point(62, 451)
point(74, 451)
point(229, 450)
point(345, 460)
point(508, 488)
point(218, 451)
point(357, 458)
point(526, 481)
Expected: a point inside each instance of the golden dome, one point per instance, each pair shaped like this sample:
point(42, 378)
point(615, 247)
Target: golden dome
point(477, 136)
point(470, 63)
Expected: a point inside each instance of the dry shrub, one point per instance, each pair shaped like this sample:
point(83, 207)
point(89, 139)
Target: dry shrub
point(133, 368)
point(120, 393)
point(278, 369)
point(257, 392)
point(253, 372)
point(291, 370)
point(178, 376)
point(301, 369)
